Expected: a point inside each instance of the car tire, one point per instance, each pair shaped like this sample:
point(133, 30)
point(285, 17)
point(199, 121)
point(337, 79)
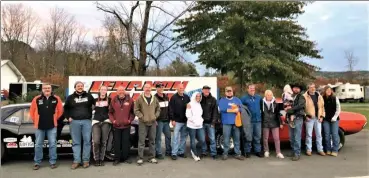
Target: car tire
point(219, 143)
point(342, 139)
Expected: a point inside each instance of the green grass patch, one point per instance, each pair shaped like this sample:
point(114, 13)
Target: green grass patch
point(362, 108)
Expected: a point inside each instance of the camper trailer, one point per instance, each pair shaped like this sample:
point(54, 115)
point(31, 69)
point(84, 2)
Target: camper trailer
point(22, 88)
point(348, 92)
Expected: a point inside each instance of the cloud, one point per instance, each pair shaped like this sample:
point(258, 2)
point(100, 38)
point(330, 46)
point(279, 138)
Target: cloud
point(325, 17)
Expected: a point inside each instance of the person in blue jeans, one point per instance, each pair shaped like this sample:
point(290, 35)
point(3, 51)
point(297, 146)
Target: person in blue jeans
point(253, 102)
point(162, 123)
point(177, 115)
point(78, 111)
point(228, 116)
point(332, 109)
point(45, 111)
point(210, 115)
point(297, 109)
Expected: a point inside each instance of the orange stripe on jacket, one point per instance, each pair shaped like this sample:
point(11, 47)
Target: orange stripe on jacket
point(35, 115)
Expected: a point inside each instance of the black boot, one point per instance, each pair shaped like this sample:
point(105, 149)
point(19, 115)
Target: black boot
point(97, 163)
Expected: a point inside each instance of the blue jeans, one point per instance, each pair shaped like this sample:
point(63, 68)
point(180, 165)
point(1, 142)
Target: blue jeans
point(81, 129)
point(313, 123)
point(229, 130)
point(40, 137)
point(256, 138)
point(200, 136)
point(295, 136)
point(210, 130)
point(179, 139)
point(163, 127)
point(331, 129)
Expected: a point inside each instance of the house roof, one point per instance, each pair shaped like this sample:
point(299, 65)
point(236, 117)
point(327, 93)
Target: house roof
point(14, 68)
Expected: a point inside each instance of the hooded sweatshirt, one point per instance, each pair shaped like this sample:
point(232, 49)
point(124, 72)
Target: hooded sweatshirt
point(270, 113)
point(78, 106)
point(101, 109)
point(194, 113)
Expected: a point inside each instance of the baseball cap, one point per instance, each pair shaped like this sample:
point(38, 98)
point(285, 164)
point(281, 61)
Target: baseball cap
point(206, 87)
point(159, 85)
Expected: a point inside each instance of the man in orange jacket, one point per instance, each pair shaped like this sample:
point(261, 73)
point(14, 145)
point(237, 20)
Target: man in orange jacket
point(45, 110)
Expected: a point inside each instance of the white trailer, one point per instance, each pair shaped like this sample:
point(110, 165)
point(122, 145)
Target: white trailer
point(346, 92)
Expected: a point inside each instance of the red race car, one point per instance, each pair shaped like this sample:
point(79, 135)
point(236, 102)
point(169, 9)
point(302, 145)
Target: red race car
point(350, 123)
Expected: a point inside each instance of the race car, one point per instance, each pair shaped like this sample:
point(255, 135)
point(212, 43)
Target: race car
point(18, 133)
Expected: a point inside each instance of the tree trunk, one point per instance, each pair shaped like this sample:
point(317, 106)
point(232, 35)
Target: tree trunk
point(143, 54)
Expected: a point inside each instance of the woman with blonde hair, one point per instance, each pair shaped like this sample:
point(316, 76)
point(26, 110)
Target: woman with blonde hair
point(332, 110)
point(271, 121)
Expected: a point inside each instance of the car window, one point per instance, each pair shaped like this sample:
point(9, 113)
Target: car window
point(27, 119)
point(15, 117)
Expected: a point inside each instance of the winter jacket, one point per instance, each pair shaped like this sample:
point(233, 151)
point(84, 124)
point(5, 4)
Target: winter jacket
point(121, 112)
point(45, 112)
point(332, 108)
point(270, 115)
point(79, 106)
point(253, 103)
point(298, 106)
point(101, 109)
point(194, 113)
point(177, 108)
point(246, 123)
point(210, 109)
point(146, 112)
point(310, 108)
point(224, 105)
point(164, 105)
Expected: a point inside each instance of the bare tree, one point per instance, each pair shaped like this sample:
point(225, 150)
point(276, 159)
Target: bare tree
point(351, 63)
point(139, 62)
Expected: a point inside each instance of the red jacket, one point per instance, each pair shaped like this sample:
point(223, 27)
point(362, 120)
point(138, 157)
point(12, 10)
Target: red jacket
point(121, 112)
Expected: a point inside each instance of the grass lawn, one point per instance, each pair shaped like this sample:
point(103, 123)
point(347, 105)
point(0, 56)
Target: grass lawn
point(362, 108)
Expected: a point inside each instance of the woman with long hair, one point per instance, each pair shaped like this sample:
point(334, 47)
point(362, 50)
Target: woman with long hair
point(101, 126)
point(332, 110)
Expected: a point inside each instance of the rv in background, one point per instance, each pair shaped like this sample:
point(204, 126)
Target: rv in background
point(348, 92)
point(21, 89)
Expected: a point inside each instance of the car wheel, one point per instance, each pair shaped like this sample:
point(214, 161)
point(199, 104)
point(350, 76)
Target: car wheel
point(220, 145)
point(342, 139)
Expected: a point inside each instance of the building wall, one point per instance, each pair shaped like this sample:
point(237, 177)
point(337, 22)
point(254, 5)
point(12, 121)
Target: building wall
point(7, 77)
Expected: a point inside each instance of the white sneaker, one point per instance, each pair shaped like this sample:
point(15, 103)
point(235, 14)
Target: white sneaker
point(197, 158)
point(280, 156)
point(266, 154)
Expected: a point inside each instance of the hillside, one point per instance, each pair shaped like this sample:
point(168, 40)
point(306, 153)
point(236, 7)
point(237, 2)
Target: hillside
point(334, 75)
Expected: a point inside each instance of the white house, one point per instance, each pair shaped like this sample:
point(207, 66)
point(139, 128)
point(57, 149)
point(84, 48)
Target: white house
point(10, 74)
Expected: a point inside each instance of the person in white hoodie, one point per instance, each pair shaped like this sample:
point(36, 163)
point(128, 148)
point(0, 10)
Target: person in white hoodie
point(194, 123)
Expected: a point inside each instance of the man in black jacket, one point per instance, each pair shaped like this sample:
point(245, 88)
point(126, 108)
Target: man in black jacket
point(78, 111)
point(177, 114)
point(210, 115)
point(162, 123)
point(297, 109)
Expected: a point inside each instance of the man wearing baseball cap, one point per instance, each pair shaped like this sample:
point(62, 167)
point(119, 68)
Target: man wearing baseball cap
point(210, 115)
point(297, 109)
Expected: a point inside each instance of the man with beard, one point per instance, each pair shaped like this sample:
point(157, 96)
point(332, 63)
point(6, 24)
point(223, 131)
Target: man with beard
point(78, 111)
point(298, 110)
point(210, 115)
point(162, 123)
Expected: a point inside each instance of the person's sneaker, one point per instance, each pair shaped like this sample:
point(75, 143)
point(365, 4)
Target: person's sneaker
point(204, 155)
point(225, 157)
point(75, 166)
point(161, 157)
point(292, 124)
point(174, 157)
point(36, 167)
point(335, 154)
point(168, 154)
point(214, 157)
point(116, 162)
point(266, 154)
point(140, 162)
point(53, 166)
point(86, 165)
point(296, 158)
point(127, 161)
point(259, 154)
point(182, 155)
point(102, 163)
point(248, 155)
point(239, 157)
point(328, 152)
point(153, 160)
point(97, 163)
point(280, 156)
point(308, 153)
point(321, 153)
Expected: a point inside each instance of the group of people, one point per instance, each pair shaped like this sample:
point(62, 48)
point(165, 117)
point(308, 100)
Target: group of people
point(196, 116)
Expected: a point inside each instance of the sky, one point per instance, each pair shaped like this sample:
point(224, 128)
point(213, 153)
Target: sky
point(336, 27)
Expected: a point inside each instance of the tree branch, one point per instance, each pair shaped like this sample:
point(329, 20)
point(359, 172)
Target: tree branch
point(152, 40)
point(164, 11)
point(132, 12)
point(113, 12)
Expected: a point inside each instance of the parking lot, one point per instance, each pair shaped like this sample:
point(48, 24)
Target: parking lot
point(351, 162)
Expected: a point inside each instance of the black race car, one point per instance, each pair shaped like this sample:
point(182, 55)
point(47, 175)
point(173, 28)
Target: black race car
point(18, 133)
